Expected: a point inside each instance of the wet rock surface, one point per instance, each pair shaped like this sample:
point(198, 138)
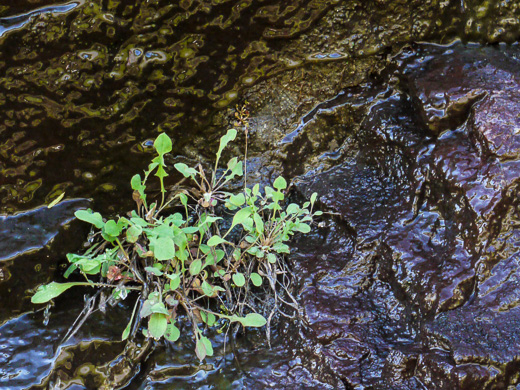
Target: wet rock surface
point(42, 222)
point(411, 283)
point(427, 296)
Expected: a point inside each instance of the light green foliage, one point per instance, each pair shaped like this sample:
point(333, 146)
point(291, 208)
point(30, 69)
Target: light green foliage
point(202, 260)
point(52, 290)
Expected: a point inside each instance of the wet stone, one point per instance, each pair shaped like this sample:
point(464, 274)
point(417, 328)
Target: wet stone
point(43, 223)
point(428, 294)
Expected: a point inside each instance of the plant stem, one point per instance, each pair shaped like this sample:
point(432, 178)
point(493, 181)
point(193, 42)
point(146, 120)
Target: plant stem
point(122, 249)
point(245, 159)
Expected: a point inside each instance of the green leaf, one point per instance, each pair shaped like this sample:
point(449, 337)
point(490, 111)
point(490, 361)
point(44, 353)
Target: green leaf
point(154, 297)
point(145, 309)
point(207, 344)
point(280, 183)
point(56, 201)
point(281, 248)
point(253, 250)
point(216, 240)
point(211, 319)
point(314, 196)
point(278, 196)
point(157, 325)
point(122, 223)
point(200, 350)
point(70, 270)
point(239, 279)
point(172, 333)
point(139, 221)
point(235, 169)
point(152, 166)
point(186, 172)
point(181, 240)
point(49, 291)
point(195, 267)
point(258, 223)
point(112, 228)
point(207, 289)
point(208, 318)
point(153, 271)
point(163, 144)
point(237, 200)
point(133, 233)
point(215, 256)
point(175, 219)
point(175, 281)
point(183, 198)
point(163, 230)
point(159, 308)
point(205, 221)
point(89, 216)
point(88, 265)
point(164, 248)
point(254, 320)
point(232, 163)
point(230, 136)
point(293, 208)
point(211, 219)
point(161, 173)
point(136, 182)
point(271, 257)
point(302, 227)
point(126, 332)
point(241, 216)
point(204, 249)
point(256, 279)
point(250, 239)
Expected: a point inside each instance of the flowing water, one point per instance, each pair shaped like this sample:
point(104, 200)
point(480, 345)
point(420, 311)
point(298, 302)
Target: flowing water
point(401, 114)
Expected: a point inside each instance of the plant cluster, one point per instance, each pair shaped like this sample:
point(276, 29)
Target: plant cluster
point(201, 251)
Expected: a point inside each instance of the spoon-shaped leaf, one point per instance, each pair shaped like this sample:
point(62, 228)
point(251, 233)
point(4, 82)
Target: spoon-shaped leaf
point(89, 216)
point(239, 279)
point(49, 291)
point(241, 216)
point(172, 333)
point(186, 171)
point(254, 320)
point(163, 144)
point(230, 136)
point(157, 325)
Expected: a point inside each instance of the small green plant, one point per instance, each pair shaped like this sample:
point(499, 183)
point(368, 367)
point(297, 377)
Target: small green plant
point(215, 258)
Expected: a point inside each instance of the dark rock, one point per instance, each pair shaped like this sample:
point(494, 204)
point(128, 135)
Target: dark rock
point(428, 294)
point(32, 230)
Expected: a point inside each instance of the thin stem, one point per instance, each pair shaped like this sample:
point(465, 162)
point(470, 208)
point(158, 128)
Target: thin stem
point(163, 191)
point(122, 249)
point(245, 159)
point(92, 284)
